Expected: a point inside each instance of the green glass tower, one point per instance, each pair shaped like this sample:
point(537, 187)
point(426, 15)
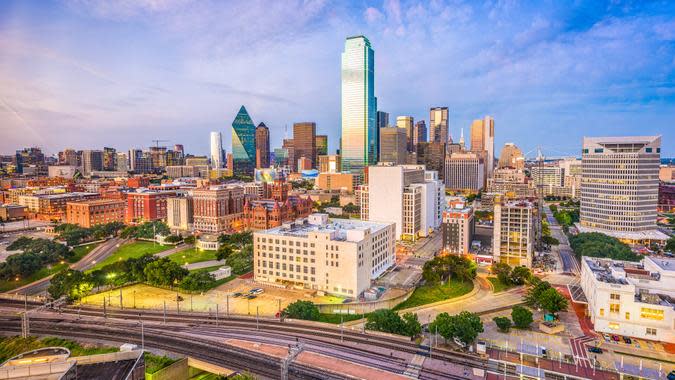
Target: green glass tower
point(359, 106)
point(243, 143)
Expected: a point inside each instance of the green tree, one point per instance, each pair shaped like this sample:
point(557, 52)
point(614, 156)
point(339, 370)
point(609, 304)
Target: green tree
point(351, 208)
point(164, 272)
point(550, 240)
point(70, 283)
point(503, 272)
point(189, 240)
point(412, 324)
point(224, 251)
point(386, 320)
point(173, 239)
point(302, 310)
point(522, 317)
point(552, 301)
point(241, 262)
point(503, 323)
point(198, 281)
point(533, 296)
point(520, 275)
point(464, 326)
point(595, 244)
point(670, 245)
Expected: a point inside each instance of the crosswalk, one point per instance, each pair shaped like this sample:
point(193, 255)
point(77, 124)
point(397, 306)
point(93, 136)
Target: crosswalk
point(414, 367)
point(580, 351)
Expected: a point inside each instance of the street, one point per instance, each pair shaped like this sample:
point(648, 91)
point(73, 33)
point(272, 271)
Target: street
point(569, 262)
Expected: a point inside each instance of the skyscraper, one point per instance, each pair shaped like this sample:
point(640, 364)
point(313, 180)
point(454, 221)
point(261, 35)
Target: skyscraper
point(109, 159)
point(262, 146)
point(406, 122)
point(483, 140)
point(216, 150)
point(511, 157)
point(92, 160)
point(419, 133)
point(321, 145)
point(438, 124)
point(304, 141)
point(243, 143)
point(359, 105)
point(393, 145)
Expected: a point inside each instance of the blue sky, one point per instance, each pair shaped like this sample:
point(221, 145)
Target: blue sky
point(88, 73)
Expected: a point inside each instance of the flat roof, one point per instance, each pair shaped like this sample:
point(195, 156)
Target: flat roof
point(664, 263)
point(340, 226)
point(621, 139)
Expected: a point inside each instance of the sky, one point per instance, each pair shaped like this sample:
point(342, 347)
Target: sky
point(89, 73)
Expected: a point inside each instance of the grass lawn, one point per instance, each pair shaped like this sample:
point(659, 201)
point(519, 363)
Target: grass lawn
point(154, 363)
point(498, 285)
point(81, 251)
point(335, 318)
point(434, 293)
point(132, 250)
point(12, 346)
point(192, 255)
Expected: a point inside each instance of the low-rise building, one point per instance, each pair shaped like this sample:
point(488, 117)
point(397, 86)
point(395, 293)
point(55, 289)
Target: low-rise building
point(217, 207)
point(89, 213)
point(458, 230)
point(335, 181)
point(179, 213)
point(12, 212)
point(632, 299)
point(53, 206)
point(145, 205)
point(336, 256)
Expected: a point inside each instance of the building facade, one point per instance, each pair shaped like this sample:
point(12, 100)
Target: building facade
point(243, 143)
point(464, 171)
point(89, 213)
point(92, 160)
point(406, 123)
point(511, 157)
point(335, 181)
point(393, 145)
point(438, 124)
point(335, 256)
point(419, 133)
point(262, 146)
point(216, 208)
point(321, 146)
point(180, 213)
point(330, 164)
point(458, 230)
point(513, 232)
point(304, 142)
point(145, 205)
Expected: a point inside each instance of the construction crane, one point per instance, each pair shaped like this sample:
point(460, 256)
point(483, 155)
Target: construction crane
point(159, 141)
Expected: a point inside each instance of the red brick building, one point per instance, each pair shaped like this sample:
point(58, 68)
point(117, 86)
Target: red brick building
point(92, 212)
point(216, 208)
point(136, 182)
point(146, 206)
point(269, 213)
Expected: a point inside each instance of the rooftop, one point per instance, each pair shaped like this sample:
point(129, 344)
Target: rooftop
point(321, 223)
point(67, 195)
point(666, 264)
point(621, 139)
point(626, 235)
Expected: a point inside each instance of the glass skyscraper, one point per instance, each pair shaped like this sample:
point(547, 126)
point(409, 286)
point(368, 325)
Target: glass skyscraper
point(359, 106)
point(243, 143)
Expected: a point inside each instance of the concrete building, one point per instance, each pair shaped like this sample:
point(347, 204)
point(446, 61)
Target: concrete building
point(406, 123)
point(620, 187)
point(330, 164)
point(53, 206)
point(217, 207)
point(483, 141)
point(262, 146)
point(122, 162)
point(393, 145)
point(511, 157)
point(514, 232)
point(458, 230)
point(10, 212)
point(464, 171)
point(89, 213)
point(510, 183)
point(321, 146)
point(337, 256)
point(432, 156)
point(304, 142)
point(335, 181)
point(63, 171)
point(92, 160)
point(180, 213)
point(403, 194)
point(438, 125)
point(631, 299)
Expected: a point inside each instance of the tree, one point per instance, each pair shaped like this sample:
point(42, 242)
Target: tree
point(173, 239)
point(351, 208)
point(164, 272)
point(302, 310)
point(595, 244)
point(385, 320)
point(550, 240)
point(670, 245)
point(552, 301)
point(198, 281)
point(70, 283)
point(241, 262)
point(503, 272)
point(522, 317)
point(533, 296)
point(520, 275)
point(224, 251)
point(503, 323)
point(412, 324)
point(189, 240)
point(464, 326)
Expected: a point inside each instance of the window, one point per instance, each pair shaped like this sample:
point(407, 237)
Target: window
point(615, 296)
point(651, 331)
point(613, 307)
point(602, 312)
point(648, 150)
point(627, 316)
point(648, 313)
point(613, 326)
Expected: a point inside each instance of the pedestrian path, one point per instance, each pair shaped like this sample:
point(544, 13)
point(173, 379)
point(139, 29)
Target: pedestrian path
point(580, 351)
point(414, 367)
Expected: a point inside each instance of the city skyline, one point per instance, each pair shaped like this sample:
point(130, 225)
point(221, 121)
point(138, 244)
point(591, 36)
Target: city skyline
point(544, 71)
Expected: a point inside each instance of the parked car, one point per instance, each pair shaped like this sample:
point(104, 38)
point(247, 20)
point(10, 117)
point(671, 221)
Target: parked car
point(671, 375)
point(237, 294)
point(595, 350)
point(251, 296)
point(606, 336)
point(256, 291)
point(627, 340)
point(615, 338)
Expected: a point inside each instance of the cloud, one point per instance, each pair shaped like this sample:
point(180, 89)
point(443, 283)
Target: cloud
point(373, 15)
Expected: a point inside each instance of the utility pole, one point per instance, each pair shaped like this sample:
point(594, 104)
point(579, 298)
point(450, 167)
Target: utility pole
point(257, 319)
point(216, 314)
point(293, 352)
point(165, 312)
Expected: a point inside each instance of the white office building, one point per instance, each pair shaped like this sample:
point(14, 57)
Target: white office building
point(338, 256)
point(407, 195)
point(631, 299)
point(217, 150)
point(513, 232)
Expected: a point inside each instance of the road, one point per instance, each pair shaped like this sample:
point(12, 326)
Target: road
point(97, 254)
point(569, 261)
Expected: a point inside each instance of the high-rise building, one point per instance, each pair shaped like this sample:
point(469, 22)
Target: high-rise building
point(406, 195)
point(158, 157)
point(217, 207)
point(70, 157)
point(122, 162)
point(511, 157)
point(262, 146)
point(330, 164)
point(92, 160)
point(109, 159)
point(281, 157)
point(547, 175)
point(513, 232)
point(407, 123)
point(354, 253)
point(321, 145)
point(288, 146)
point(216, 150)
point(464, 171)
point(393, 145)
point(483, 140)
point(304, 141)
point(419, 133)
point(458, 230)
point(179, 148)
point(620, 186)
point(432, 156)
point(243, 143)
point(382, 121)
point(359, 106)
point(438, 124)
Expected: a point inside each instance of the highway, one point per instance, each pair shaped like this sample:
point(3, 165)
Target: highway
point(97, 254)
point(569, 262)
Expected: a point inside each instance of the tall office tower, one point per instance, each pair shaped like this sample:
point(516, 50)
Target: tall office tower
point(382, 119)
point(30, 157)
point(406, 195)
point(483, 140)
point(291, 161)
point(280, 157)
point(262, 146)
point(92, 160)
point(511, 157)
point(393, 145)
point(304, 141)
point(139, 162)
point(407, 124)
point(329, 164)
point(109, 159)
point(619, 187)
point(70, 157)
point(513, 232)
point(122, 162)
point(464, 171)
point(179, 148)
point(432, 156)
point(438, 124)
point(243, 143)
point(359, 106)
point(321, 145)
point(419, 133)
point(216, 150)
